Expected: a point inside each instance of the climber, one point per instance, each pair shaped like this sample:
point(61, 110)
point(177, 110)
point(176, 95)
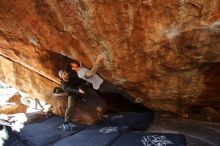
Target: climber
point(97, 82)
point(71, 87)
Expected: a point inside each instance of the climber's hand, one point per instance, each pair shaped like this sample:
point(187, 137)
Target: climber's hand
point(139, 100)
point(81, 91)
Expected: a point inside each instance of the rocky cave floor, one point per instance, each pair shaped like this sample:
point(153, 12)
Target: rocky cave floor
point(198, 133)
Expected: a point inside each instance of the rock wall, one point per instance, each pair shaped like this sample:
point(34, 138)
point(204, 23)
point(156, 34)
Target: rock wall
point(13, 105)
point(167, 52)
point(40, 87)
point(26, 80)
point(85, 112)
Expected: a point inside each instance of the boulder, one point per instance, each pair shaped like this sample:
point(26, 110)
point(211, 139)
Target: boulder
point(210, 113)
point(87, 111)
point(166, 52)
point(13, 105)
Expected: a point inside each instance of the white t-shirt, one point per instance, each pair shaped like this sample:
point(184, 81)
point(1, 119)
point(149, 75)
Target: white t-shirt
point(95, 80)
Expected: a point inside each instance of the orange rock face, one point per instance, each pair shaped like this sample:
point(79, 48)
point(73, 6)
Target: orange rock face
point(167, 52)
point(84, 112)
point(13, 106)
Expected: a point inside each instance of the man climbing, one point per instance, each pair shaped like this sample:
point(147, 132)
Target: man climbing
point(71, 87)
point(97, 82)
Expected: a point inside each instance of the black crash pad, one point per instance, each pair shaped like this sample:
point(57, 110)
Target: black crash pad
point(150, 139)
point(133, 120)
point(92, 136)
point(8, 137)
point(46, 132)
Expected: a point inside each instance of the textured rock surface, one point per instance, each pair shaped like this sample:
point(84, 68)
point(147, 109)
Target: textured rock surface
point(87, 112)
point(25, 79)
point(41, 88)
point(13, 106)
point(197, 133)
point(164, 51)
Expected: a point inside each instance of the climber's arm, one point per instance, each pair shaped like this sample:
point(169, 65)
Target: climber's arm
point(95, 67)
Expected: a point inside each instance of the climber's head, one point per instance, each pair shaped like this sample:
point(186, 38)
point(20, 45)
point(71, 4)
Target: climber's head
point(75, 65)
point(64, 75)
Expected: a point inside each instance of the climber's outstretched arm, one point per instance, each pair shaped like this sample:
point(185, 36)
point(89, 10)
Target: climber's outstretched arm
point(95, 67)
